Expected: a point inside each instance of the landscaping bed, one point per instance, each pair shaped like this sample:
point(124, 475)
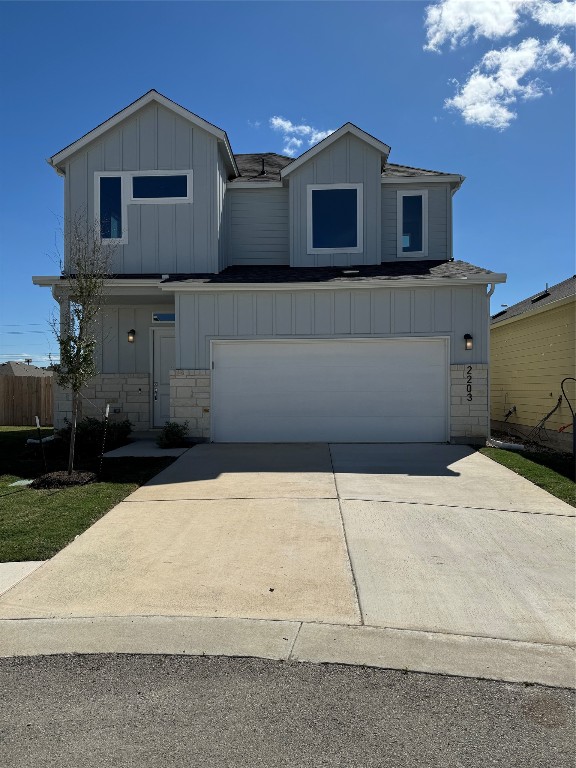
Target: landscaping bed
point(35, 524)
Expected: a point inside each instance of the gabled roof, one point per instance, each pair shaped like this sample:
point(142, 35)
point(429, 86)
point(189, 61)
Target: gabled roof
point(384, 149)
point(152, 96)
point(552, 294)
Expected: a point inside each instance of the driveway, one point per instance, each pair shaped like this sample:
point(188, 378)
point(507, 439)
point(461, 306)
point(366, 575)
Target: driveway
point(431, 538)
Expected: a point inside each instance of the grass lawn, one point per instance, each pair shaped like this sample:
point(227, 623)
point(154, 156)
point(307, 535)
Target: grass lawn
point(553, 472)
point(34, 525)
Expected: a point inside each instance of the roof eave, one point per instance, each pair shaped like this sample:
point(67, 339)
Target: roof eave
point(189, 286)
point(60, 157)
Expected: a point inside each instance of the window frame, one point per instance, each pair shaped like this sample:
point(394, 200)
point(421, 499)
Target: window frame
point(359, 247)
point(400, 195)
point(127, 197)
point(123, 206)
point(161, 200)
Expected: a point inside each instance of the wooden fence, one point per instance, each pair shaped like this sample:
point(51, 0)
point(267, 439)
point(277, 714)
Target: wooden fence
point(24, 397)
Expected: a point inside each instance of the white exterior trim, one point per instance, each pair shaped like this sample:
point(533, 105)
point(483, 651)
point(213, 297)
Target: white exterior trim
point(149, 284)
point(359, 218)
point(384, 149)
point(444, 282)
point(126, 188)
point(400, 253)
point(424, 179)
point(161, 200)
point(64, 154)
point(123, 204)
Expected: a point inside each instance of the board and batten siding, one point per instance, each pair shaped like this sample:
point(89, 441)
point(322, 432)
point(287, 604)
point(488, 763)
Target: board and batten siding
point(380, 312)
point(439, 220)
point(114, 353)
point(257, 226)
point(349, 160)
point(161, 238)
point(529, 357)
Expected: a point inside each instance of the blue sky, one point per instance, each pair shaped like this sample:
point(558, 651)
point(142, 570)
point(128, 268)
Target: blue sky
point(317, 65)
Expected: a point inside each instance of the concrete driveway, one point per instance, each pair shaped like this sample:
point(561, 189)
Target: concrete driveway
point(429, 538)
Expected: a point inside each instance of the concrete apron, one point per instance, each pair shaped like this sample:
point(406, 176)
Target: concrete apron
point(239, 550)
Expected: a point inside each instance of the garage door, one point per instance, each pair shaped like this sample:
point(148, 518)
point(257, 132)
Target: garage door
point(326, 390)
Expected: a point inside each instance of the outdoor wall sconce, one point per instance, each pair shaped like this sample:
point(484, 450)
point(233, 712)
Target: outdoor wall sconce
point(468, 341)
point(131, 336)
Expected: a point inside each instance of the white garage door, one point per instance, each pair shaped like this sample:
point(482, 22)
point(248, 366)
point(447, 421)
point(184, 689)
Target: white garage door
point(321, 390)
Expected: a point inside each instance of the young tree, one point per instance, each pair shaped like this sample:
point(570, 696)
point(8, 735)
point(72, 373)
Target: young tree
point(85, 269)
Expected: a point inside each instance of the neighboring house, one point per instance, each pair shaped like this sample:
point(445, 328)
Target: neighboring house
point(265, 298)
point(532, 348)
point(14, 368)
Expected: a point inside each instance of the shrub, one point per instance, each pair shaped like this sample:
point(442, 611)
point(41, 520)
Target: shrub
point(173, 435)
point(90, 432)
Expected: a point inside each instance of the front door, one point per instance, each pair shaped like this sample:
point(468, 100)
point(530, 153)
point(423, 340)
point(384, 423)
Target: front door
point(164, 358)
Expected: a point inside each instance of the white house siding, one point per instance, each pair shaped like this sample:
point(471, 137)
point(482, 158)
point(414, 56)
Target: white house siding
point(257, 231)
point(348, 160)
point(331, 314)
point(161, 238)
point(439, 220)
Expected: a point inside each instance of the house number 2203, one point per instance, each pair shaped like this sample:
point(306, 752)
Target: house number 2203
point(469, 382)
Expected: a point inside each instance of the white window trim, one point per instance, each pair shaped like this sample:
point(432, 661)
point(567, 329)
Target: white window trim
point(401, 254)
point(359, 218)
point(160, 200)
point(128, 199)
point(124, 206)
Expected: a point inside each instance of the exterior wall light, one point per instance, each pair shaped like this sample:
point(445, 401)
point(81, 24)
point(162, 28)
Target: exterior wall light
point(131, 336)
point(468, 341)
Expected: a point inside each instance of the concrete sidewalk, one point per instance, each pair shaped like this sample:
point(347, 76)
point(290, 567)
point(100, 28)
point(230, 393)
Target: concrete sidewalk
point(427, 557)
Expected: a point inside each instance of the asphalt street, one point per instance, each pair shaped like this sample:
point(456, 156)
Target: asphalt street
point(216, 712)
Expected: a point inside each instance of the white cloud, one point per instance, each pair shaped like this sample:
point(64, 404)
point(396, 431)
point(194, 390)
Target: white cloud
point(496, 82)
point(505, 76)
point(562, 14)
point(457, 21)
point(292, 131)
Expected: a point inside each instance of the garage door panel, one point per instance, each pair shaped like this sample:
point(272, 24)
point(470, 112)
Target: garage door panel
point(326, 390)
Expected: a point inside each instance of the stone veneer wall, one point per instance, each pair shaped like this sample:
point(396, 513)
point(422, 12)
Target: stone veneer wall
point(469, 417)
point(190, 401)
point(127, 392)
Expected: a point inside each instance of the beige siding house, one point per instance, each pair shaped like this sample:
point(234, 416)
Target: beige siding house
point(532, 350)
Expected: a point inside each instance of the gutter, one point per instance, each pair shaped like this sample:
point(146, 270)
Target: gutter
point(444, 282)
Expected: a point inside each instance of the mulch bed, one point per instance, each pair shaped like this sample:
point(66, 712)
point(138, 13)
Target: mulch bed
point(63, 479)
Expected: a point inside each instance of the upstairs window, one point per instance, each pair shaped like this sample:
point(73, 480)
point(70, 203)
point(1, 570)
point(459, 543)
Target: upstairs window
point(111, 207)
point(335, 218)
point(160, 187)
point(412, 223)
point(114, 192)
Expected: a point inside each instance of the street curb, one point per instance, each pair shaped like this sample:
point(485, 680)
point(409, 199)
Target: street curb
point(409, 650)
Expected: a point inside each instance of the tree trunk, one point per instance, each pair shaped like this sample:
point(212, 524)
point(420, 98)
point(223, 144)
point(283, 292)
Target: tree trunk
point(75, 401)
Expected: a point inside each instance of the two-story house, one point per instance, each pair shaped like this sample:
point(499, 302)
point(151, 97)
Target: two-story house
point(266, 298)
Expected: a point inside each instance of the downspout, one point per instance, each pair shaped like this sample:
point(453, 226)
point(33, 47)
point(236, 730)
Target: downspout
point(488, 378)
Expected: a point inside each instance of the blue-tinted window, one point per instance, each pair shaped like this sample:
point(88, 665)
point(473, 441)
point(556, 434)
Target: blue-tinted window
point(159, 186)
point(412, 223)
point(334, 218)
point(110, 207)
